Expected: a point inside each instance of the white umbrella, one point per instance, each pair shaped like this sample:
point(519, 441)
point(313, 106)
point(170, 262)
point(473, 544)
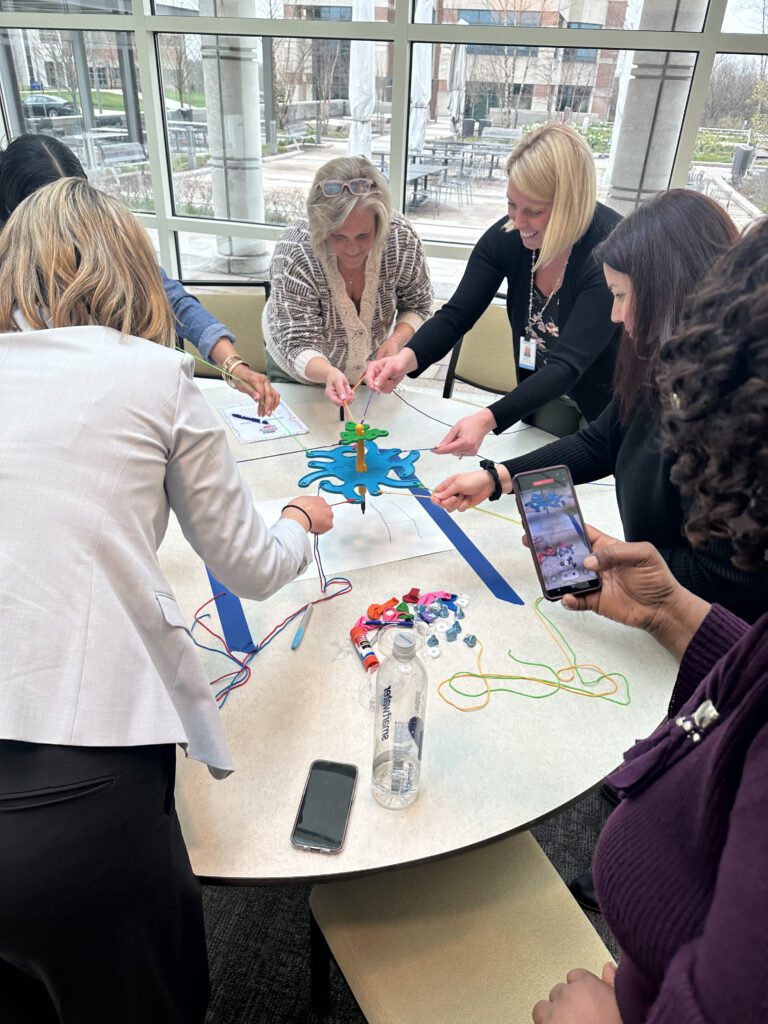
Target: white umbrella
point(362, 83)
point(457, 84)
point(421, 81)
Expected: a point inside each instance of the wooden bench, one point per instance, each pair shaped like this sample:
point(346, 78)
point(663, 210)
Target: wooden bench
point(479, 937)
point(239, 308)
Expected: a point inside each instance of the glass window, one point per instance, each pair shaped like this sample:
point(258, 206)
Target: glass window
point(684, 16)
point(317, 10)
point(586, 55)
point(82, 88)
point(222, 258)
point(730, 162)
point(250, 120)
point(485, 102)
point(506, 18)
point(67, 6)
point(746, 16)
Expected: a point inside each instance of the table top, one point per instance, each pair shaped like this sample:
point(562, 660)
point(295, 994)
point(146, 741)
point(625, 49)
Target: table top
point(415, 171)
point(485, 774)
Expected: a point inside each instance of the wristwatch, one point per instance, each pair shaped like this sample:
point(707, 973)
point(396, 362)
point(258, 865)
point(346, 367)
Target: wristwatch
point(490, 467)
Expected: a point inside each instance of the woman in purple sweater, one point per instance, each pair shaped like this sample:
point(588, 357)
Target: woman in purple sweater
point(693, 819)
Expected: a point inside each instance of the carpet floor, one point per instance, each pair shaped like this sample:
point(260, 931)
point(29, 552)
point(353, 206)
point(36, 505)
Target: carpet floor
point(258, 936)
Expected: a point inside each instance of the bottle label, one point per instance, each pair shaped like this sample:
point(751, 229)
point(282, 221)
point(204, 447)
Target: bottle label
point(386, 712)
point(416, 729)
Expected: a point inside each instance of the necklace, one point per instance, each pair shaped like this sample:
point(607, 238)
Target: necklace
point(537, 319)
point(348, 281)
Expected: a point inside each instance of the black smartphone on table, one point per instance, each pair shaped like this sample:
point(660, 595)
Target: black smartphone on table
point(321, 823)
point(554, 525)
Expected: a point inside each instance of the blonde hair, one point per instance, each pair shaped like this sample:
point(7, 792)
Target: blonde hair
point(554, 164)
point(327, 213)
point(72, 256)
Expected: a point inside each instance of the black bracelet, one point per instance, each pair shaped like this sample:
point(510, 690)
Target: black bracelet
point(309, 520)
point(490, 467)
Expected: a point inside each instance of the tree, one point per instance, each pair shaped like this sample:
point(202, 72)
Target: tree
point(290, 58)
point(180, 58)
point(760, 116)
point(54, 51)
point(731, 90)
point(326, 59)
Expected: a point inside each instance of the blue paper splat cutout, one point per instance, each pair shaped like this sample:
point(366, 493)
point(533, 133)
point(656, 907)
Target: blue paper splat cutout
point(543, 501)
point(389, 466)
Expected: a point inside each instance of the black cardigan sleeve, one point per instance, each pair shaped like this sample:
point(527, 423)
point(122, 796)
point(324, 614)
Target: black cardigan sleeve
point(492, 259)
point(585, 331)
point(589, 454)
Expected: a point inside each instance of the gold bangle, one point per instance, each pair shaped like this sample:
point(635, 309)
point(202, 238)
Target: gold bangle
point(230, 364)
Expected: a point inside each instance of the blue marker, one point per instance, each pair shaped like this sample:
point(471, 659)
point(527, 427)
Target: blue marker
point(302, 627)
point(251, 419)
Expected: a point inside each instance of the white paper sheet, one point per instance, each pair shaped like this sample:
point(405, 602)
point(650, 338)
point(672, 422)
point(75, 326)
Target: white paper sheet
point(282, 423)
point(393, 528)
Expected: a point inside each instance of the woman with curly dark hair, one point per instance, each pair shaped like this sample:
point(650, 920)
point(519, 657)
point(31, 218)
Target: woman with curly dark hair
point(716, 369)
point(653, 261)
point(694, 815)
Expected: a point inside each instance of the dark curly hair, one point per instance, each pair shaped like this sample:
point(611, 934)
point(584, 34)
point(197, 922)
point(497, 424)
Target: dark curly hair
point(666, 248)
point(713, 383)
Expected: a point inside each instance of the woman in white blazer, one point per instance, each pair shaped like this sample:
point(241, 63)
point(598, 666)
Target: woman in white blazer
point(102, 432)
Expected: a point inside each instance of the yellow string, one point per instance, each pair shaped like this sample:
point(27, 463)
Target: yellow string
point(562, 677)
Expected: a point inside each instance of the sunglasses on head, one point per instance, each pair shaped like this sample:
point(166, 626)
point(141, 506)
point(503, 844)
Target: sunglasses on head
point(356, 187)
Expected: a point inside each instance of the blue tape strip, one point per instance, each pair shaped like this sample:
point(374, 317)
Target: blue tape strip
point(490, 576)
point(232, 617)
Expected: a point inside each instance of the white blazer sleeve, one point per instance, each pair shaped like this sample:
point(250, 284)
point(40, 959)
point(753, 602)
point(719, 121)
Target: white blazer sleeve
point(215, 509)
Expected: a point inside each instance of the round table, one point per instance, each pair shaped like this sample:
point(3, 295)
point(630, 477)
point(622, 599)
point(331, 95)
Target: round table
point(486, 773)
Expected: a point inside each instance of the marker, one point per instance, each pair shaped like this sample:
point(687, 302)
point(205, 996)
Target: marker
point(302, 627)
point(251, 419)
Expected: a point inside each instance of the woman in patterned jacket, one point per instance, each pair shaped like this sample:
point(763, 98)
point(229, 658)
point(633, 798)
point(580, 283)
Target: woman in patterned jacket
point(349, 283)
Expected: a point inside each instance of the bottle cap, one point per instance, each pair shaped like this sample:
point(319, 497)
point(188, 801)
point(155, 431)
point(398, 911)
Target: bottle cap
point(404, 645)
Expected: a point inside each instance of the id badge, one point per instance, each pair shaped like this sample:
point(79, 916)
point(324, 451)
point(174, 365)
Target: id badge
point(527, 357)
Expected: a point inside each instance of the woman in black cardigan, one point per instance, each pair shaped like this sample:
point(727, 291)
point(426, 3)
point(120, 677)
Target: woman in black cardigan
point(654, 261)
point(558, 304)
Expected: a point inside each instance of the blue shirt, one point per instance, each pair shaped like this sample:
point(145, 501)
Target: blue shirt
point(194, 322)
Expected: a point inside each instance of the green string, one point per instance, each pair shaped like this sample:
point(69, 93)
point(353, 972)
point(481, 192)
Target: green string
point(557, 684)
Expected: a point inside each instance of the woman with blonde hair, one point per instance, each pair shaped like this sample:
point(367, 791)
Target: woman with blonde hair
point(558, 305)
point(103, 433)
point(349, 282)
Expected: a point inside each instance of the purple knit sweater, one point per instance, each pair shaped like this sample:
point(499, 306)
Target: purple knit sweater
point(681, 868)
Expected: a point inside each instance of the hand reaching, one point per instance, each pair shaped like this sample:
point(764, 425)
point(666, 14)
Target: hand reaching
point(257, 387)
point(466, 436)
point(319, 514)
point(463, 491)
point(337, 387)
point(385, 374)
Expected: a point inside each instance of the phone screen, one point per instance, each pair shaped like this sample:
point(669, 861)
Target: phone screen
point(555, 528)
point(322, 819)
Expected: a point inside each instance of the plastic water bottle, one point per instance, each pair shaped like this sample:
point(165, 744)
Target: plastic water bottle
point(401, 698)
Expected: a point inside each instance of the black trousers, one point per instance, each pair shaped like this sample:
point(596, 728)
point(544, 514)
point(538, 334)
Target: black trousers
point(101, 918)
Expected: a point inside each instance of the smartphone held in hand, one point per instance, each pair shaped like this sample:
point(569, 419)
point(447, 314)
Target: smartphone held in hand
point(321, 822)
point(557, 537)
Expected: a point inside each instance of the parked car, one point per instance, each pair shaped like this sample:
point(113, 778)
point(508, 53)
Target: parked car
point(40, 104)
